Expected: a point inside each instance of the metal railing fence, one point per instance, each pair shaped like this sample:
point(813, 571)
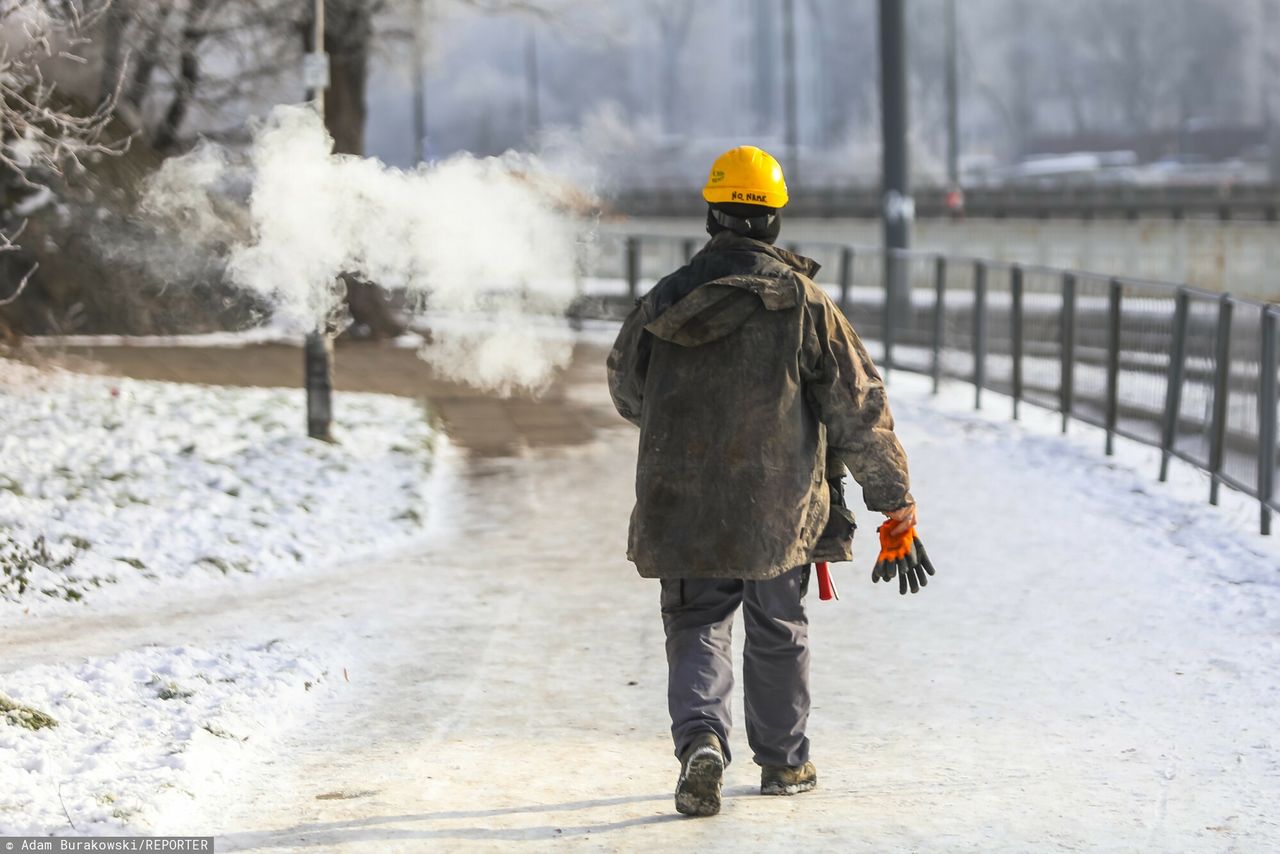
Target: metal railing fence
point(1193, 373)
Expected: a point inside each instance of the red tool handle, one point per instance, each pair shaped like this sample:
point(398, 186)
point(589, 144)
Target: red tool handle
point(826, 587)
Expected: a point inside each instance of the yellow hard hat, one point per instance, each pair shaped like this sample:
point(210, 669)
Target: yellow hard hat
point(748, 176)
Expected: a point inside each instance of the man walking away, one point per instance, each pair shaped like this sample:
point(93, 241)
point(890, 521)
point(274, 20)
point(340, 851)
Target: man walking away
point(751, 391)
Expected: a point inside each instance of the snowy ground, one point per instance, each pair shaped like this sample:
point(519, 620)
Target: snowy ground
point(135, 501)
point(1095, 667)
point(109, 486)
point(144, 737)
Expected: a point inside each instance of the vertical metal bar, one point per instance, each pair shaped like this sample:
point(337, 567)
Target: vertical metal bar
point(532, 107)
point(1221, 377)
point(939, 317)
point(318, 377)
point(688, 247)
point(633, 267)
point(1016, 331)
point(1173, 381)
point(846, 277)
point(894, 102)
point(317, 95)
point(790, 98)
point(979, 331)
point(951, 88)
point(1267, 427)
point(1112, 415)
point(893, 270)
point(1067, 385)
point(419, 48)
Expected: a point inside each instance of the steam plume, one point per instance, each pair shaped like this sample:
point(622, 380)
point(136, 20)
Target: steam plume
point(481, 243)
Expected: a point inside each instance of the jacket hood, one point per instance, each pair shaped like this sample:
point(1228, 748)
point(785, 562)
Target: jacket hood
point(729, 280)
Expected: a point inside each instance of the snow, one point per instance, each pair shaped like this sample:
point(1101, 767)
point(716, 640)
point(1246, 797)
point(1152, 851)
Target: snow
point(1093, 668)
point(142, 736)
point(109, 486)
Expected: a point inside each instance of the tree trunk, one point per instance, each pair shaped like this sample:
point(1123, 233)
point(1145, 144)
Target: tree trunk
point(140, 80)
point(113, 27)
point(348, 34)
point(184, 91)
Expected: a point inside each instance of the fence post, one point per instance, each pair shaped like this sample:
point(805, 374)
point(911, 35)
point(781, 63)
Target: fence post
point(633, 267)
point(1267, 393)
point(939, 317)
point(1067, 386)
point(979, 331)
point(1016, 322)
point(1115, 290)
point(846, 277)
point(1174, 378)
point(1221, 376)
point(688, 247)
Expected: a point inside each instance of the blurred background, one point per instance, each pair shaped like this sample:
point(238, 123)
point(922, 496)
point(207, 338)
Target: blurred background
point(1136, 137)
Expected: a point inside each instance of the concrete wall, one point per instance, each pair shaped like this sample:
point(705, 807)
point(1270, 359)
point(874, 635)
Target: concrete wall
point(1242, 258)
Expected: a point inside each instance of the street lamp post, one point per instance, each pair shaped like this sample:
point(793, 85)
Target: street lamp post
point(419, 82)
point(898, 206)
point(318, 350)
point(789, 91)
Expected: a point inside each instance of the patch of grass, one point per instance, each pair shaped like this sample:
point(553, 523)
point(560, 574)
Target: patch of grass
point(8, 484)
point(18, 561)
point(226, 566)
point(219, 732)
point(410, 515)
point(169, 690)
point(216, 562)
point(16, 714)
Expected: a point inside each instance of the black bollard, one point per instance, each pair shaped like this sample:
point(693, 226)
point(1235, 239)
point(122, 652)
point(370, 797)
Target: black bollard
point(318, 360)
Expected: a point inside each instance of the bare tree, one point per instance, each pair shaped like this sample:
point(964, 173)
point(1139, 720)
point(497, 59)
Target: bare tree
point(43, 137)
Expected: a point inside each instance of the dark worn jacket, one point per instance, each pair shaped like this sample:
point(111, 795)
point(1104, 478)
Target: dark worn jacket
point(741, 373)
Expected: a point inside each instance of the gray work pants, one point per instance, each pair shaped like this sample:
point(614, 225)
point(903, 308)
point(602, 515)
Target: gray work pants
point(697, 614)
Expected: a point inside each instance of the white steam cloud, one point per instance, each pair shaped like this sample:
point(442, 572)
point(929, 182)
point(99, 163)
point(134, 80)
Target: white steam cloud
point(482, 244)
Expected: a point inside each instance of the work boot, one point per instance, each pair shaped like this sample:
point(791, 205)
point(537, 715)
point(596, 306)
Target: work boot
point(787, 780)
point(701, 770)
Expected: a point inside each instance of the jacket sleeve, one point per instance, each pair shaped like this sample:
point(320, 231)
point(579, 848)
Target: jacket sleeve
point(629, 363)
point(847, 395)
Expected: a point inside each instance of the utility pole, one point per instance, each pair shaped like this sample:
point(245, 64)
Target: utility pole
point(953, 99)
point(531, 79)
point(789, 91)
point(316, 64)
point(419, 81)
point(955, 194)
point(1271, 88)
point(318, 350)
point(898, 206)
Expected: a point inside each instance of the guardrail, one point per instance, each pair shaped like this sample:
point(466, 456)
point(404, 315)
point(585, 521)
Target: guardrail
point(1223, 202)
point(1193, 373)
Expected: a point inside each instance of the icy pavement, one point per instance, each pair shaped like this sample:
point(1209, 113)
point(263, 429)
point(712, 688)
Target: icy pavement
point(1094, 667)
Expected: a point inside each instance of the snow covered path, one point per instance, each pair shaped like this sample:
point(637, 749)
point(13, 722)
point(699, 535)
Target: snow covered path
point(1095, 668)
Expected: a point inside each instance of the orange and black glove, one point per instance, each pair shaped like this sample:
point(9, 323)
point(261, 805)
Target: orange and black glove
point(902, 555)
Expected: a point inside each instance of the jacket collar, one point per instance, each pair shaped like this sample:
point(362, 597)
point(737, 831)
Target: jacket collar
point(728, 241)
